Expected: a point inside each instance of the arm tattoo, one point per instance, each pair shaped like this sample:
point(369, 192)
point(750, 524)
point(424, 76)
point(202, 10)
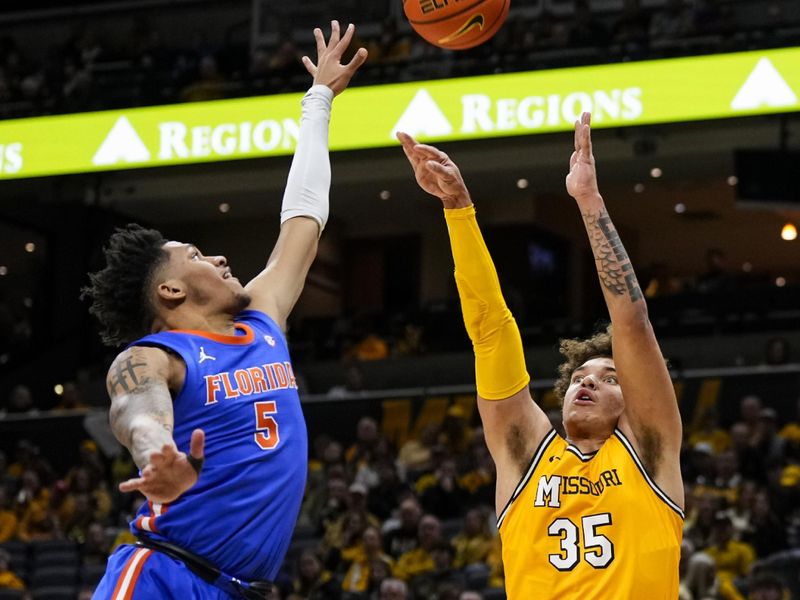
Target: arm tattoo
point(124, 376)
point(614, 267)
point(141, 405)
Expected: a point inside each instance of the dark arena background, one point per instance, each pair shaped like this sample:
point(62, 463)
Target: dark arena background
point(182, 115)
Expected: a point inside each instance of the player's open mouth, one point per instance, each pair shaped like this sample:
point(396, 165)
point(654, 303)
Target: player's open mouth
point(227, 274)
point(584, 398)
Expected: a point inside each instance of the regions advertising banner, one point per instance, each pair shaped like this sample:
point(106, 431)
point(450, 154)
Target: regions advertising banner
point(659, 91)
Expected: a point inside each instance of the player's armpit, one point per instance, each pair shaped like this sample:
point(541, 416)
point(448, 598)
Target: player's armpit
point(141, 404)
point(513, 428)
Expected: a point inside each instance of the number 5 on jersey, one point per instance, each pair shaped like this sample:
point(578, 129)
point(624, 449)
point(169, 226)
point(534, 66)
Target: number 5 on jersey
point(266, 434)
point(598, 549)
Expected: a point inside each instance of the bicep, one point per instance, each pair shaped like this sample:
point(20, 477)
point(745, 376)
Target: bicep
point(276, 289)
point(138, 385)
point(651, 406)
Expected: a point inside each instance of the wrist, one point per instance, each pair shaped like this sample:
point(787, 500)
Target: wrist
point(589, 200)
point(461, 200)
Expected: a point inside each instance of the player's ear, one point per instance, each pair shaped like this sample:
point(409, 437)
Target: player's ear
point(171, 289)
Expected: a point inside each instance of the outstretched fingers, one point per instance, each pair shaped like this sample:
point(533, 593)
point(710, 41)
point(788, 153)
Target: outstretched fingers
point(359, 59)
point(335, 34)
point(342, 44)
point(443, 172)
point(197, 445)
point(583, 135)
point(431, 152)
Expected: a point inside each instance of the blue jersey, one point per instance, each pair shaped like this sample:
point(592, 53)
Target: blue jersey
point(242, 392)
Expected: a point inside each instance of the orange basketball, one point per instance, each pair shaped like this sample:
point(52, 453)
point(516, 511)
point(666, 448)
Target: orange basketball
point(456, 24)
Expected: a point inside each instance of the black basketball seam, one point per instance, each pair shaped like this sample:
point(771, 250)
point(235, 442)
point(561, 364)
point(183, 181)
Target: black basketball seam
point(488, 29)
point(461, 12)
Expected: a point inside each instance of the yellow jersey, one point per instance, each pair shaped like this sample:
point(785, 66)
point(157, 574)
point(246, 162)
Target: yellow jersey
point(590, 527)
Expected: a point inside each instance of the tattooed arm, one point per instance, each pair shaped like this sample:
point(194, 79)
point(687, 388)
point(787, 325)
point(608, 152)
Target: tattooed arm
point(141, 417)
point(651, 414)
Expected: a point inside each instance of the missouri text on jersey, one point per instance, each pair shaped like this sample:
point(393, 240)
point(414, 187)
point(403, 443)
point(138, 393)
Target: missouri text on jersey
point(549, 489)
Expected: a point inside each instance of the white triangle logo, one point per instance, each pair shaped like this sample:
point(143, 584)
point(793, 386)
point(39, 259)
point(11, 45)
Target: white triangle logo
point(121, 144)
point(764, 87)
point(423, 117)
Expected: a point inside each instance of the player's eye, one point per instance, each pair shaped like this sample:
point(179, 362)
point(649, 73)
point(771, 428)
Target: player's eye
point(577, 378)
point(611, 379)
point(195, 255)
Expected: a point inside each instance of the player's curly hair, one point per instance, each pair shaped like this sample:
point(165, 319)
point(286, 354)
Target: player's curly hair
point(120, 291)
point(576, 352)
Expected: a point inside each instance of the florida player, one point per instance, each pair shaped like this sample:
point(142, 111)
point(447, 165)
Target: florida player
point(599, 514)
point(204, 396)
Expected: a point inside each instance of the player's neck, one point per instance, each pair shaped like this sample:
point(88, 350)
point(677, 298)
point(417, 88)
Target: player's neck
point(587, 443)
point(220, 323)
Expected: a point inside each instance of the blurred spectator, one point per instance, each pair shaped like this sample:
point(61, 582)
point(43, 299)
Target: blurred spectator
point(379, 571)
point(433, 584)
point(456, 434)
point(474, 542)
point(393, 589)
point(361, 558)
point(470, 595)
point(209, 84)
point(96, 547)
point(20, 400)
point(410, 343)
point(766, 586)
point(370, 347)
point(8, 518)
point(709, 431)
point(383, 498)
point(37, 521)
point(312, 581)
point(791, 431)
point(353, 383)
point(750, 414)
point(748, 458)
point(766, 533)
point(391, 46)
point(367, 438)
point(416, 455)
point(420, 559)
point(733, 559)
point(441, 493)
point(479, 482)
point(8, 579)
point(778, 351)
point(403, 537)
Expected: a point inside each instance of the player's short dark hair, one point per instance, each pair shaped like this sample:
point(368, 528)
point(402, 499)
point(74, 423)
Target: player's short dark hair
point(576, 352)
point(120, 291)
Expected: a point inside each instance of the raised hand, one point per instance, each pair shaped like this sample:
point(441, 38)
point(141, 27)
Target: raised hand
point(329, 70)
point(435, 172)
point(169, 473)
point(582, 177)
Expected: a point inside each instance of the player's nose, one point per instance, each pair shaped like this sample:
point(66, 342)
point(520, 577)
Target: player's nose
point(589, 381)
point(220, 261)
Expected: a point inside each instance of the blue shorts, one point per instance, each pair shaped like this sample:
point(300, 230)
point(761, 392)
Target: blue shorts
point(135, 573)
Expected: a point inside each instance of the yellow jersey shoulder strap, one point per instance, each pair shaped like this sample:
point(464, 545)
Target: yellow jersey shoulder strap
point(658, 491)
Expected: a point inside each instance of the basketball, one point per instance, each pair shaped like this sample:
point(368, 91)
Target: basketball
point(456, 24)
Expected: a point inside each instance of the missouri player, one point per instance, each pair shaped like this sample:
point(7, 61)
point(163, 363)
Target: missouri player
point(598, 514)
point(204, 396)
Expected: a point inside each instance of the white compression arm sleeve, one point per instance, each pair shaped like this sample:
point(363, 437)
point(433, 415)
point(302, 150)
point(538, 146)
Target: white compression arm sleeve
point(309, 182)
